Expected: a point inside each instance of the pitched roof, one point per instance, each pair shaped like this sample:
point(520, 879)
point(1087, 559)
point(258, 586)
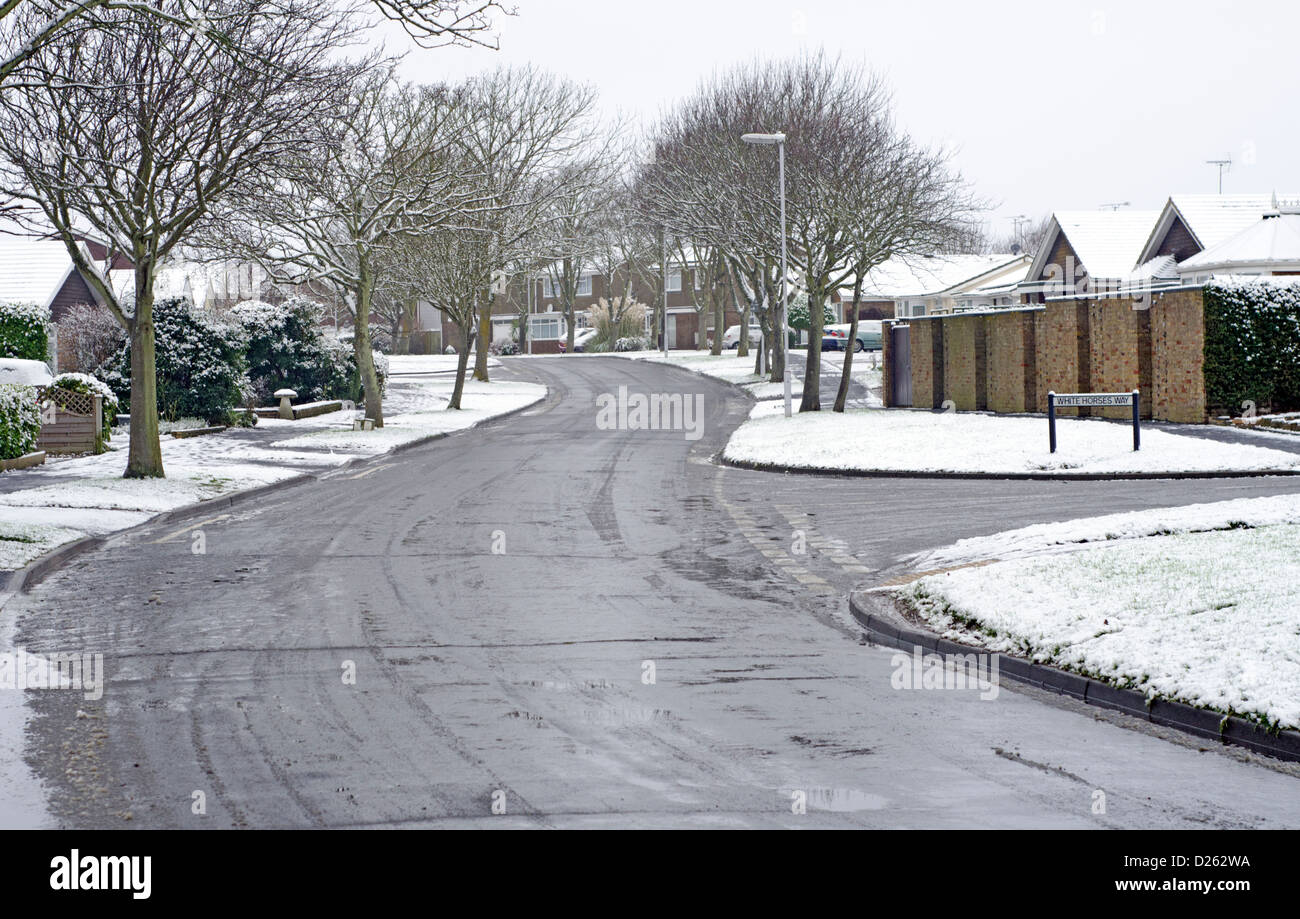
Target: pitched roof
point(1106, 242)
point(1210, 219)
point(928, 275)
point(1272, 239)
point(32, 269)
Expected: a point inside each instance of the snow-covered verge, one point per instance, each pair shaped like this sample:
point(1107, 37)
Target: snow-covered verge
point(1071, 535)
point(902, 441)
point(1210, 618)
point(740, 370)
point(69, 498)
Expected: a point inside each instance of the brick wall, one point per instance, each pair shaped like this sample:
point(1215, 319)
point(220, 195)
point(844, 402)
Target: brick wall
point(962, 341)
point(927, 363)
point(1012, 376)
point(1007, 361)
point(1178, 356)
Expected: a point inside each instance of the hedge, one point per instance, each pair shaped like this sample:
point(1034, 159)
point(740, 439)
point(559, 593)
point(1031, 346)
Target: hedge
point(1252, 346)
point(24, 331)
point(20, 421)
point(199, 365)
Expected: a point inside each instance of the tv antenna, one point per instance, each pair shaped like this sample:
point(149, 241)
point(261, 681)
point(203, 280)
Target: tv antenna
point(1224, 165)
point(1116, 205)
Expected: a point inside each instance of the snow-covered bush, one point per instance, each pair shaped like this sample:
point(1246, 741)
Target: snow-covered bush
point(24, 331)
point(509, 348)
point(1252, 345)
point(81, 382)
point(93, 333)
point(613, 321)
point(284, 348)
point(200, 365)
point(630, 344)
point(20, 420)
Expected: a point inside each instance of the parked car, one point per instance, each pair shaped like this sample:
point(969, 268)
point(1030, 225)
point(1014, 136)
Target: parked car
point(581, 337)
point(25, 372)
point(835, 337)
point(731, 337)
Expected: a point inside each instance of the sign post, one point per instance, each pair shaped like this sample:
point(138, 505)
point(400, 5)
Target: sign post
point(1057, 400)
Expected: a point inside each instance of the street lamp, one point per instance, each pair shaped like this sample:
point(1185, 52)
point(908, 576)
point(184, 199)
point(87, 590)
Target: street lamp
point(767, 140)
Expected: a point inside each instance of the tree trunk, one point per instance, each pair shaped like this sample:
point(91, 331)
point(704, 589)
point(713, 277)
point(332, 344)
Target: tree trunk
point(719, 323)
point(361, 350)
point(846, 375)
point(742, 349)
point(144, 457)
point(484, 342)
point(462, 363)
point(812, 393)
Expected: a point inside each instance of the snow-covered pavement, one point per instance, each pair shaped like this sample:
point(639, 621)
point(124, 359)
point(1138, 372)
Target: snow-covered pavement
point(903, 441)
point(69, 498)
point(740, 371)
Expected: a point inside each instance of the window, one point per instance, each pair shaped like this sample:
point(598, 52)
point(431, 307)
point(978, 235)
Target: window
point(698, 276)
point(544, 327)
point(548, 288)
point(584, 286)
point(918, 309)
point(675, 279)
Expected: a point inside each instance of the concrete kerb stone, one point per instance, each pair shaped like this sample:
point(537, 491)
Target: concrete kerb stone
point(1012, 476)
point(885, 627)
point(25, 578)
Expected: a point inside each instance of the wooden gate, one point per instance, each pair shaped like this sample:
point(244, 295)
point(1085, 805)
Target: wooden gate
point(71, 422)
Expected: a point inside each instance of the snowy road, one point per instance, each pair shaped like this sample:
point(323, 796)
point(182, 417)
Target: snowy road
point(580, 627)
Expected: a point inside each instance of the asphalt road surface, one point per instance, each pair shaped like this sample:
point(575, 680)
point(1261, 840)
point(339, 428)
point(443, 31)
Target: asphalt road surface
point(542, 623)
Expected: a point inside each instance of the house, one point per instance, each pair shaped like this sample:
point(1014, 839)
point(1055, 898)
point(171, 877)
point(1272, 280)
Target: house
point(1086, 252)
point(39, 270)
point(933, 284)
point(537, 297)
point(1269, 247)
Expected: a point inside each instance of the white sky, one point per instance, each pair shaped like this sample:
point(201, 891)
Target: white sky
point(1051, 105)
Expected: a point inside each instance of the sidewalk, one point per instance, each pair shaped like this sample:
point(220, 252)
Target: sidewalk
point(69, 498)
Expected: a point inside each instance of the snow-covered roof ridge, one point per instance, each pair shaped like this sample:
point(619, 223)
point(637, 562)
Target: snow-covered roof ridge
point(1211, 219)
point(935, 274)
point(1107, 243)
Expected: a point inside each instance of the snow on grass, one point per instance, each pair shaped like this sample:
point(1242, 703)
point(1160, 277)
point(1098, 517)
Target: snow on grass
point(1071, 535)
point(1210, 619)
point(86, 495)
point(740, 370)
point(429, 363)
point(20, 542)
point(955, 442)
point(479, 402)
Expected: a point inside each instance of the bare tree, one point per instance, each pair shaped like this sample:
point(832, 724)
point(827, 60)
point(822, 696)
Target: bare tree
point(27, 26)
point(135, 132)
point(385, 170)
point(524, 143)
point(832, 115)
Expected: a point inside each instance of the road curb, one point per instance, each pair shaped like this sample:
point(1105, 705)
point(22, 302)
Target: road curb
point(21, 580)
point(884, 626)
point(1016, 476)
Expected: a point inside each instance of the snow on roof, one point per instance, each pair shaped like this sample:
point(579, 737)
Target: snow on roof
point(921, 276)
point(1210, 219)
point(32, 269)
point(1274, 239)
point(1160, 268)
point(1107, 242)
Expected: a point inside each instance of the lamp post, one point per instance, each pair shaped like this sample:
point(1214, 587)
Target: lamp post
point(779, 141)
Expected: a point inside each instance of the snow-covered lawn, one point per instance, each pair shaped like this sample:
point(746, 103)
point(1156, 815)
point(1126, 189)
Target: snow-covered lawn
point(958, 442)
point(740, 370)
point(87, 495)
point(1210, 618)
point(1072, 535)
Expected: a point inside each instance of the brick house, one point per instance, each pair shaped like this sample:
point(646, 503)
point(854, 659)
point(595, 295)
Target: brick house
point(929, 285)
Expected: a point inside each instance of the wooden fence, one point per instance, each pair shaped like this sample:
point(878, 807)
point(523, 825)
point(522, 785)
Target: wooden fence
point(71, 422)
